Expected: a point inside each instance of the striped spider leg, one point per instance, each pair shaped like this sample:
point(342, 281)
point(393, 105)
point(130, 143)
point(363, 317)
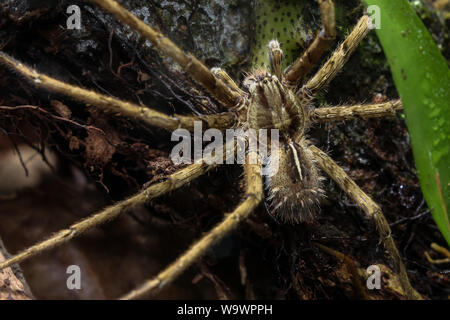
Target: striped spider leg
point(252, 197)
point(324, 39)
point(314, 85)
point(213, 84)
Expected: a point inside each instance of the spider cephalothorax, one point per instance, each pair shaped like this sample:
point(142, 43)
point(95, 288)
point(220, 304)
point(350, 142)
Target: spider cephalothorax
point(269, 102)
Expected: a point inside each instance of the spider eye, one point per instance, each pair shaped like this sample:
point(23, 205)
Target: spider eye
point(265, 81)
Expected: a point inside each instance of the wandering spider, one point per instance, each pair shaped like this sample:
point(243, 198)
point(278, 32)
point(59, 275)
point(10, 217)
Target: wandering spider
point(276, 101)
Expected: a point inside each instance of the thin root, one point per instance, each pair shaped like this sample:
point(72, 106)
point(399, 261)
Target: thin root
point(443, 251)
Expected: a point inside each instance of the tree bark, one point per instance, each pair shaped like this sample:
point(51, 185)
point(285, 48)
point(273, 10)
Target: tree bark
point(12, 283)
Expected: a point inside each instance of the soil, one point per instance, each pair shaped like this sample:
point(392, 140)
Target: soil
point(102, 159)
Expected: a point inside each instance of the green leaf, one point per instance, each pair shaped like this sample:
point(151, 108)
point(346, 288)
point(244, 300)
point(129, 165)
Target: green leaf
point(422, 78)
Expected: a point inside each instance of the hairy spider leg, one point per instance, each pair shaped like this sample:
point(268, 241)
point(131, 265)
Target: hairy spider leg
point(338, 59)
point(172, 182)
point(116, 106)
point(196, 69)
point(253, 196)
point(294, 74)
point(357, 111)
point(371, 211)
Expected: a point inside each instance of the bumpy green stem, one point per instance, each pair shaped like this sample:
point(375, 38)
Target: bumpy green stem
point(280, 20)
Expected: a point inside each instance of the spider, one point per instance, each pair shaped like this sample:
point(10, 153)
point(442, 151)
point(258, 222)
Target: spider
point(272, 99)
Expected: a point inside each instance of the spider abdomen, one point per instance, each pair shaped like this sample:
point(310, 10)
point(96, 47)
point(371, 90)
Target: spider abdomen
point(295, 188)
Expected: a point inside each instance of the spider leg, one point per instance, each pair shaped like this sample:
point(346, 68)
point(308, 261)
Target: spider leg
point(253, 196)
point(371, 210)
point(174, 181)
point(351, 265)
point(223, 75)
point(117, 106)
point(275, 58)
point(331, 68)
point(341, 113)
point(197, 70)
point(323, 41)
